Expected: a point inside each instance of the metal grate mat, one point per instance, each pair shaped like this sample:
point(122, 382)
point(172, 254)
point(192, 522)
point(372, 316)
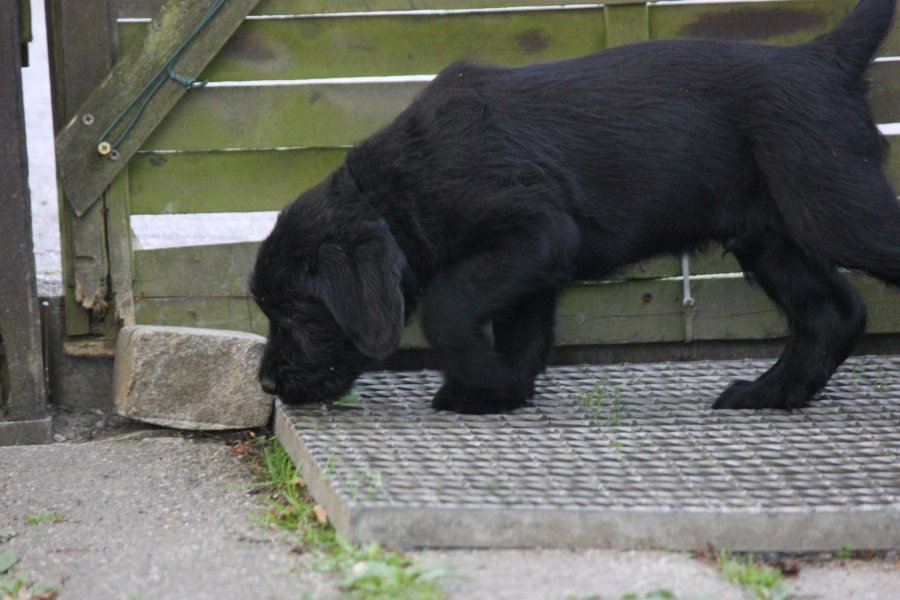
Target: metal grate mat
point(611, 456)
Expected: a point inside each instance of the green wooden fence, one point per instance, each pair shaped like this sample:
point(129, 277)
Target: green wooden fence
point(277, 128)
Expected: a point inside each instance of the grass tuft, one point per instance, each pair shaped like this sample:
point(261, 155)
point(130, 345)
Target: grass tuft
point(367, 572)
point(597, 397)
point(350, 399)
point(762, 581)
point(42, 519)
point(18, 585)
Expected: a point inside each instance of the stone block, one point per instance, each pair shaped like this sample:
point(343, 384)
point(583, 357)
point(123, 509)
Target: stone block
point(190, 378)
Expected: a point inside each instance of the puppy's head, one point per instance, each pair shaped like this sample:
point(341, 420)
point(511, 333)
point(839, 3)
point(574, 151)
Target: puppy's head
point(328, 279)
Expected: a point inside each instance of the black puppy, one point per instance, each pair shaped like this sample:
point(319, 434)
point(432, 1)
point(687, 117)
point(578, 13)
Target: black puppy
point(498, 186)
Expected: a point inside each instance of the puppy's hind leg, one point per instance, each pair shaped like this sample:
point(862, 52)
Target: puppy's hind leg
point(825, 317)
point(867, 236)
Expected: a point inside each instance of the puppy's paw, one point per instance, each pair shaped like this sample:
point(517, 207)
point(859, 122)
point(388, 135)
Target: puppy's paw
point(738, 395)
point(758, 394)
point(475, 401)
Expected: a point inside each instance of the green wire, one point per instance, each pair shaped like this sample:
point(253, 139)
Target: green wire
point(149, 90)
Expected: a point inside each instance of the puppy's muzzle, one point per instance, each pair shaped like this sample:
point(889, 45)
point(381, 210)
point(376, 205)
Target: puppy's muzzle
point(268, 385)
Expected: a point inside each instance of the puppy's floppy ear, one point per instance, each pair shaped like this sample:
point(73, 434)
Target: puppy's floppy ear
point(361, 288)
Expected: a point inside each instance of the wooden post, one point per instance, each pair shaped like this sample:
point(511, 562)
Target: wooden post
point(25, 406)
point(81, 37)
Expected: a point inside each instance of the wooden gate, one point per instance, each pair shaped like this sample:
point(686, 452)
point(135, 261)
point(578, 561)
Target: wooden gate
point(276, 119)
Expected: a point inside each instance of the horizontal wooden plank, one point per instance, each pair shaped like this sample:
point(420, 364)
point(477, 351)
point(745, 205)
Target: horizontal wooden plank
point(197, 271)
point(334, 115)
point(147, 8)
point(618, 313)
point(891, 45)
point(329, 115)
point(232, 314)
point(780, 22)
point(732, 309)
point(885, 95)
point(223, 270)
point(210, 182)
point(711, 261)
point(405, 44)
point(627, 318)
point(892, 164)
point(409, 44)
point(882, 302)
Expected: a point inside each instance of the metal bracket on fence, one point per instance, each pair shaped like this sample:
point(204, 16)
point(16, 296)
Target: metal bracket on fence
point(687, 301)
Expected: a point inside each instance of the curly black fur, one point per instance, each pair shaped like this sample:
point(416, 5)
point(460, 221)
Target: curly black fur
point(502, 185)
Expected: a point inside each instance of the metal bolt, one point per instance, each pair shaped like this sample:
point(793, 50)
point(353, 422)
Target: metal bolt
point(87, 119)
point(104, 148)
point(114, 155)
point(648, 297)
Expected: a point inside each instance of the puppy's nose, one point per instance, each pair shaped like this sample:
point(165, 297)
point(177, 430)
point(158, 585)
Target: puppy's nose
point(267, 385)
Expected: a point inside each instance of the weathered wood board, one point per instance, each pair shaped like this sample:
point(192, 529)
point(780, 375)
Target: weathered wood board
point(263, 132)
point(209, 182)
point(147, 8)
point(191, 271)
point(339, 115)
point(637, 311)
point(283, 116)
point(703, 18)
point(246, 181)
point(401, 44)
point(885, 90)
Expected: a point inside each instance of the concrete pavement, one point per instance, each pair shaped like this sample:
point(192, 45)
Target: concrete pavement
point(154, 517)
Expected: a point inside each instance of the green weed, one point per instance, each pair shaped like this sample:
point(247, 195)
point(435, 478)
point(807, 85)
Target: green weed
point(41, 519)
point(762, 581)
point(18, 585)
point(368, 572)
point(596, 398)
point(845, 552)
point(653, 595)
point(288, 505)
point(372, 571)
point(370, 483)
point(351, 399)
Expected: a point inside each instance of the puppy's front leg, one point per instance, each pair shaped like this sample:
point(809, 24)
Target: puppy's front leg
point(523, 274)
point(476, 378)
point(524, 335)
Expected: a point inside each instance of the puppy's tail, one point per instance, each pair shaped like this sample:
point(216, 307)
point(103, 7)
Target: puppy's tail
point(853, 42)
